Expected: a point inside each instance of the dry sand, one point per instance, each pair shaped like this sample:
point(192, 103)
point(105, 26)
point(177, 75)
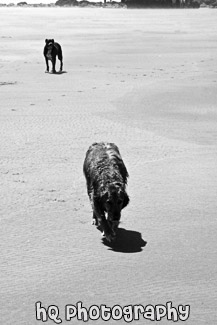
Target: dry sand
point(145, 80)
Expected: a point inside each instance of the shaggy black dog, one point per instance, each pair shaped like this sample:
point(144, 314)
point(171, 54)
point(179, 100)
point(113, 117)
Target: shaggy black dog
point(51, 51)
point(106, 177)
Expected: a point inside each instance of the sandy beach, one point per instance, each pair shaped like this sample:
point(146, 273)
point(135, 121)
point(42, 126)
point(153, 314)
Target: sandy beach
point(147, 81)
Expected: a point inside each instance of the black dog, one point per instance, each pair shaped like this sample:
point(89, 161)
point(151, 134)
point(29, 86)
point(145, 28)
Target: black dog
point(51, 50)
point(106, 177)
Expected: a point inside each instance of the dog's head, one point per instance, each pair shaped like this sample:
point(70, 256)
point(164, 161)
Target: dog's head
point(49, 45)
point(49, 42)
point(114, 200)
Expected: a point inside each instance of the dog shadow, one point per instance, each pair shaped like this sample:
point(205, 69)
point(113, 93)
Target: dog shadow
point(59, 72)
point(56, 73)
point(126, 241)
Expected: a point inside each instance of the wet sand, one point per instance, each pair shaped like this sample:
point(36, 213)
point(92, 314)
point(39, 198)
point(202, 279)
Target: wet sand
point(145, 80)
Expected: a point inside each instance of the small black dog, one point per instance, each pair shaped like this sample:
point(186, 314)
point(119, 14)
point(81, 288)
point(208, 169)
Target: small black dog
point(106, 177)
point(51, 50)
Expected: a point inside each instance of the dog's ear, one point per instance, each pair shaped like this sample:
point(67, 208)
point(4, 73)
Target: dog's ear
point(52, 40)
point(98, 203)
point(46, 40)
point(126, 200)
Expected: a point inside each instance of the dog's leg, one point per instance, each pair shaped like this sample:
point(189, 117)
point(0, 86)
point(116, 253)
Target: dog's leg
point(47, 65)
point(94, 220)
point(54, 64)
point(90, 194)
point(61, 62)
point(61, 65)
point(102, 222)
point(60, 57)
